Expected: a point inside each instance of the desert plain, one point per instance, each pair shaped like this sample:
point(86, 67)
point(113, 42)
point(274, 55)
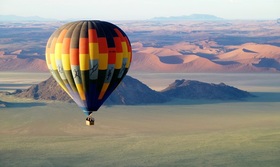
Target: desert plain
point(177, 133)
point(238, 133)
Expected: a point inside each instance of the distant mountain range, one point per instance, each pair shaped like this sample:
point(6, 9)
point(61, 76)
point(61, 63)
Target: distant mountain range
point(14, 18)
point(133, 92)
point(198, 17)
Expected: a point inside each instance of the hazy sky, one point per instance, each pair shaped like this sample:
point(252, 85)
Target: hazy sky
point(140, 9)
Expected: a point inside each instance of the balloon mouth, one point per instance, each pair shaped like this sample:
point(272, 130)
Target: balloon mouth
point(87, 113)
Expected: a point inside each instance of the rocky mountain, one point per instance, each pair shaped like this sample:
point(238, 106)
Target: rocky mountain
point(46, 90)
point(133, 92)
point(189, 89)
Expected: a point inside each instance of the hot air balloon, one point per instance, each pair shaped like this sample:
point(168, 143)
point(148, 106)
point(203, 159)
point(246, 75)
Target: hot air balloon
point(88, 59)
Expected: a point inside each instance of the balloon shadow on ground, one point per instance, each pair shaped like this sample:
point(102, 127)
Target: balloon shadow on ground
point(23, 104)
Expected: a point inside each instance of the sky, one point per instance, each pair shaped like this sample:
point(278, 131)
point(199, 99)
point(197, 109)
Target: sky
point(141, 9)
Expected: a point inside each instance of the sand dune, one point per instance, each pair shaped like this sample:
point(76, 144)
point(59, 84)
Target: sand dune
point(207, 56)
point(251, 52)
point(191, 63)
point(13, 63)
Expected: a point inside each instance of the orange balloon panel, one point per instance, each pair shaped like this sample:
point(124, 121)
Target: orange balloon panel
point(88, 59)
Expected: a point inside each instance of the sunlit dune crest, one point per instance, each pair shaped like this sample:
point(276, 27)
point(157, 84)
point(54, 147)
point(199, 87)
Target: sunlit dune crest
point(190, 58)
point(17, 52)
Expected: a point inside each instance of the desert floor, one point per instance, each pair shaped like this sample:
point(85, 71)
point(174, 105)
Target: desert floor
point(180, 133)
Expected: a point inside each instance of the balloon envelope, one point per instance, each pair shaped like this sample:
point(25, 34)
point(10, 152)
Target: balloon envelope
point(88, 59)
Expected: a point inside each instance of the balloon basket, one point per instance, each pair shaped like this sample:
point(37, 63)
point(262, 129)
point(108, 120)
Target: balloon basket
point(90, 120)
point(89, 123)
